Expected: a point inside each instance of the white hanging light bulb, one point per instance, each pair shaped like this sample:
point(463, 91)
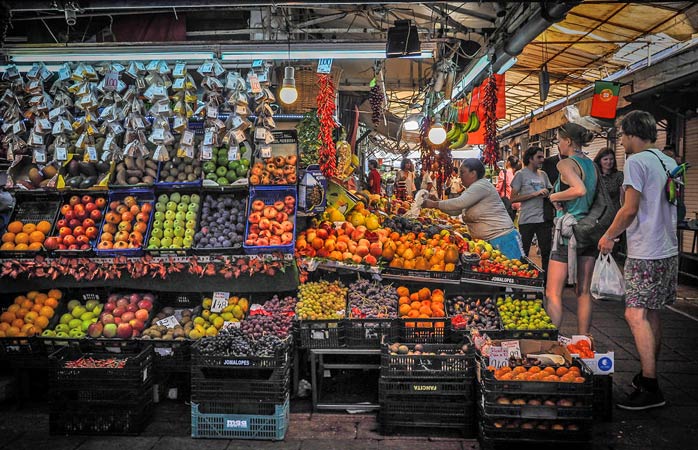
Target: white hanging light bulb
point(288, 93)
point(437, 132)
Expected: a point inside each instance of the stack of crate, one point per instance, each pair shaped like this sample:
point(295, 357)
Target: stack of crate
point(240, 397)
point(427, 386)
point(99, 392)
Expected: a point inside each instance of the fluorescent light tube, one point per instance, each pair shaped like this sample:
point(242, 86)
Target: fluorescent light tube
point(27, 67)
point(313, 54)
point(442, 105)
point(68, 56)
point(507, 65)
point(469, 77)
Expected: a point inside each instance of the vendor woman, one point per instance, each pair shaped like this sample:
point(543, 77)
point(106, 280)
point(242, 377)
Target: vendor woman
point(482, 210)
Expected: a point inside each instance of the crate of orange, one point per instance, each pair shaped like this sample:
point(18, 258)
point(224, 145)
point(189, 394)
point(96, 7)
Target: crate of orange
point(415, 256)
point(125, 224)
point(422, 316)
point(31, 222)
point(22, 321)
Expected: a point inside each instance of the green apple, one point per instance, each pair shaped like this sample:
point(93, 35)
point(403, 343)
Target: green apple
point(48, 333)
point(159, 215)
point(190, 216)
point(154, 242)
point(78, 311)
point(185, 199)
point(157, 224)
point(168, 224)
point(171, 206)
point(65, 318)
point(159, 206)
point(181, 215)
point(75, 324)
point(178, 242)
point(157, 232)
point(182, 207)
point(73, 304)
point(62, 334)
point(170, 214)
point(193, 207)
point(187, 241)
point(190, 232)
point(179, 232)
point(175, 197)
point(194, 198)
point(62, 328)
point(168, 233)
point(179, 223)
point(165, 242)
point(85, 325)
point(163, 198)
point(90, 305)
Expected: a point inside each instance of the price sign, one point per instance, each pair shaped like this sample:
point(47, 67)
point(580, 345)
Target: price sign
point(55, 112)
point(255, 87)
point(45, 124)
point(220, 301)
point(241, 110)
point(211, 112)
point(179, 70)
point(91, 153)
point(189, 151)
point(111, 81)
point(227, 325)
point(61, 154)
point(206, 152)
point(513, 348)
point(12, 71)
point(116, 128)
point(239, 136)
point(257, 63)
point(499, 357)
point(260, 133)
point(169, 322)
point(158, 134)
point(324, 65)
point(233, 153)
point(265, 151)
point(40, 156)
point(208, 138)
point(64, 72)
point(188, 137)
point(38, 139)
point(564, 340)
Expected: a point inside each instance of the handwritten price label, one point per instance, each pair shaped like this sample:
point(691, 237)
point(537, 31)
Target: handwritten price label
point(499, 357)
point(169, 322)
point(324, 65)
point(227, 325)
point(61, 154)
point(220, 301)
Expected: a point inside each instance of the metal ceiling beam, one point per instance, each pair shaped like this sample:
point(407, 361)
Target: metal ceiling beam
point(49, 5)
point(468, 12)
point(451, 22)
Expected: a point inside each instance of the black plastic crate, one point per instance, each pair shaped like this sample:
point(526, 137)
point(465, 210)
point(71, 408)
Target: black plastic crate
point(280, 359)
point(171, 356)
point(102, 419)
point(469, 275)
point(33, 208)
point(421, 389)
point(75, 397)
point(229, 403)
point(493, 434)
point(23, 352)
point(427, 274)
point(319, 333)
point(138, 370)
point(368, 333)
point(603, 397)
point(437, 412)
point(457, 332)
point(494, 410)
point(428, 366)
point(423, 331)
point(492, 386)
point(269, 386)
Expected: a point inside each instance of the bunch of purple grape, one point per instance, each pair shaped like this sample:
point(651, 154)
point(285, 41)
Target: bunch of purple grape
point(371, 300)
point(375, 98)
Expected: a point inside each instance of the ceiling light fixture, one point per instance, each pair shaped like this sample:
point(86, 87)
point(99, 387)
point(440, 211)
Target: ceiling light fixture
point(507, 65)
point(437, 132)
point(288, 93)
point(68, 56)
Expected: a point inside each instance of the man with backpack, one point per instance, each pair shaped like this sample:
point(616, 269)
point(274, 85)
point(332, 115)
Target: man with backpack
point(648, 216)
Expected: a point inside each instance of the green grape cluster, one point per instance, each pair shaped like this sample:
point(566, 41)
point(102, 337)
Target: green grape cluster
point(523, 314)
point(321, 300)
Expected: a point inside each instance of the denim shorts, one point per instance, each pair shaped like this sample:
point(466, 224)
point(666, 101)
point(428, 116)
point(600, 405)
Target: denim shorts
point(560, 255)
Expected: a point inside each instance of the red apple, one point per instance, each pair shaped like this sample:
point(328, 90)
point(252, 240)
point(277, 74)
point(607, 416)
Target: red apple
point(145, 304)
point(65, 209)
point(124, 331)
point(86, 199)
point(82, 240)
point(73, 247)
point(117, 320)
point(132, 307)
point(91, 232)
point(89, 207)
point(136, 324)
point(119, 311)
point(87, 223)
point(96, 215)
point(69, 215)
point(109, 307)
point(80, 212)
point(51, 243)
point(95, 329)
point(69, 240)
point(135, 298)
point(74, 222)
point(101, 202)
point(128, 315)
point(78, 231)
point(74, 200)
point(142, 314)
point(122, 302)
point(61, 223)
point(85, 247)
point(62, 247)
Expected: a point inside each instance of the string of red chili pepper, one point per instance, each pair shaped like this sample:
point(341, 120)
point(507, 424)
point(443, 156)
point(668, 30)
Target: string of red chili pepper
point(327, 155)
point(491, 154)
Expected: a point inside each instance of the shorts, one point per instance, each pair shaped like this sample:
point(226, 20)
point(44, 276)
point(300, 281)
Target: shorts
point(509, 244)
point(560, 255)
point(651, 283)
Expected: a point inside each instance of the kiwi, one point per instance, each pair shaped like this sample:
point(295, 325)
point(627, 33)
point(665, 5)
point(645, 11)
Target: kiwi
point(35, 176)
point(50, 171)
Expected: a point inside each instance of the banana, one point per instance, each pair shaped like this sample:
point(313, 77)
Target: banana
point(451, 132)
point(466, 125)
point(456, 135)
point(475, 123)
point(460, 142)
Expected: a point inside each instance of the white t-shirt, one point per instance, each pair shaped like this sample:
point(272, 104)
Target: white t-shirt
point(652, 235)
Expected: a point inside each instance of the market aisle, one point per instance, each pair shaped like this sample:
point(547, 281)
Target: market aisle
point(667, 428)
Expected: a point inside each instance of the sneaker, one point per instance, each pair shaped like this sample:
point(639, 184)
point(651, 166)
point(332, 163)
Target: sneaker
point(636, 381)
point(641, 399)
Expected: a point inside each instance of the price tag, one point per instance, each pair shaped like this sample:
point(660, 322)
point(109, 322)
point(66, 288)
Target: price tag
point(513, 348)
point(227, 325)
point(116, 128)
point(499, 357)
point(61, 154)
point(237, 122)
point(12, 71)
point(233, 153)
point(178, 84)
point(257, 63)
point(64, 72)
point(324, 65)
point(38, 139)
point(169, 322)
point(208, 138)
point(265, 151)
point(179, 121)
point(91, 153)
point(188, 137)
point(163, 351)
point(158, 134)
point(33, 72)
point(45, 124)
point(179, 70)
point(108, 142)
point(211, 112)
point(189, 151)
point(40, 156)
point(111, 81)
point(239, 136)
point(564, 340)
point(220, 301)
point(206, 152)
point(260, 133)
point(206, 68)
point(18, 127)
point(241, 110)
point(55, 112)
point(255, 87)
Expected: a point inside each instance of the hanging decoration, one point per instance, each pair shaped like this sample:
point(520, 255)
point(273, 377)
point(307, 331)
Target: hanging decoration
point(491, 153)
point(375, 98)
point(327, 156)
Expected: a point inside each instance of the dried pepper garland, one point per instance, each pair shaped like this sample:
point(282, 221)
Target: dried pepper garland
point(491, 153)
point(327, 155)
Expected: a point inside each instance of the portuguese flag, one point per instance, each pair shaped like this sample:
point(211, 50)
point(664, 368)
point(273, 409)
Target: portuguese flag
point(605, 101)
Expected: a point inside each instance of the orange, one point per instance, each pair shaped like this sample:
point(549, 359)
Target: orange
point(20, 299)
point(21, 313)
point(21, 247)
point(29, 228)
point(414, 297)
point(13, 308)
point(12, 332)
point(7, 317)
point(44, 227)
point(27, 304)
point(424, 294)
point(438, 312)
point(52, 302)
point(404, 301)
point(561, 371)
point(31, 295)
point(404, 309)
point(413, 313)
point(519, 369)
point(4, 326)
point(425, 310)
point(7, 246)
point(402, 291)
point(41, 298)
point(34, 246)
point(55, 293)
point(8, 237)
point(22, 238)
point(534, 369)
point(31, 316)
point(37, 236)
point(549, 370)
point(19, 323)
point(416, 305)
point(41, 322)
point(15, 227)
point(46, 311)
point(36, 308)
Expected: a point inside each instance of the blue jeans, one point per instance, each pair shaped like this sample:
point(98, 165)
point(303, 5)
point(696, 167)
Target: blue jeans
point(510, 244)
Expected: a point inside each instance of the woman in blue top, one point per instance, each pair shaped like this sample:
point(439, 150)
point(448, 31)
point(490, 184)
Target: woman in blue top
point(574, 194)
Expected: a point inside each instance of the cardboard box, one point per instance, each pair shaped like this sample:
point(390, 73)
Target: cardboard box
point(601, 363)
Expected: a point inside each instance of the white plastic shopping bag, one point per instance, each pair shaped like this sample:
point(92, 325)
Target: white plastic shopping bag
point(607, 280)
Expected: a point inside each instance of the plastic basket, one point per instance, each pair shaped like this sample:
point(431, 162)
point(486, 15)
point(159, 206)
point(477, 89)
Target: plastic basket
point(280, 359)
point(438, 411)
point(421, 389)
point(65, 199)
point(320, 333)
point(159, 184)
point(368, 333)
point(538, 412)
point(170, 251)
point(142, 196)
point(470, 276)
point(285, 144)
point(603, 397)
point(543, 334)
point(459, 333)
point(491, 385)
point(240, 426)
point(269, 195)
point(424, 331)
point(268, 386)
point(236, 248)
point(102, 419)
point(493, 435)
point(33, 208)
point(451, 365)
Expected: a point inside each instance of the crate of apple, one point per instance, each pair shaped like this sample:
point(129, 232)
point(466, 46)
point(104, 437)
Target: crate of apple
point(174, 223)
point(78, 225)
point(124, 316)
point(271, 220)
point(126, 223)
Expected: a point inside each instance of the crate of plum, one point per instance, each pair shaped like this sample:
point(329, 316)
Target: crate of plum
point(126, 223)
point(523, 316)
point(372, 314)
point(275, 316)
point(179, 172)
point(271, 220)
point(474, 311)
point(402, 360)
point(173, 226)
point(319, 312)
point(221, 224)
